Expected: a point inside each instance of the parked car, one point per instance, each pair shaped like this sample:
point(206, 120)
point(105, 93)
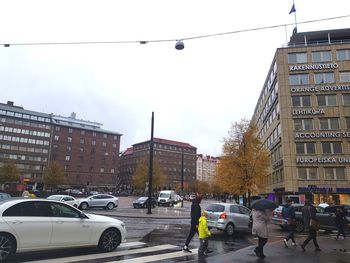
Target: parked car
point(4, 196)
point(143, 201)
point(64, 198)
point(39, 224)
point(325, 215)
point(98, 201)
point(278, 219)
point(228, 217)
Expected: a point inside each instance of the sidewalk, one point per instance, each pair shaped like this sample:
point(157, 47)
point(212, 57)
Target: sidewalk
point(332, 252)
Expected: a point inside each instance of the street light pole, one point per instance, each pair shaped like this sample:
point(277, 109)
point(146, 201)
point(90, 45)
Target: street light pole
point(182, 178)
point(150, 169)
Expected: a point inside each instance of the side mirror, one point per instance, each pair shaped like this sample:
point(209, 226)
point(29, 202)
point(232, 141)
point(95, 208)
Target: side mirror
point(83, 216)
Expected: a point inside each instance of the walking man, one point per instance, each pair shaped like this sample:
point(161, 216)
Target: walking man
point(288, 214)
point(313, 228)
point(195, 215)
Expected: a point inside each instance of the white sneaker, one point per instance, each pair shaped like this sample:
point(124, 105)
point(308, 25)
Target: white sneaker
point(285, 242)
point(294, 244)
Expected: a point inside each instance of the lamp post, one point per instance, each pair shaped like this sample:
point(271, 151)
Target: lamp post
point(182, 178)
point(150, 169)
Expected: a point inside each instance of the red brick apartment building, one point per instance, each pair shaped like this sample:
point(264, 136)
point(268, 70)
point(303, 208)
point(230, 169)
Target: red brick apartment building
point(88, 154)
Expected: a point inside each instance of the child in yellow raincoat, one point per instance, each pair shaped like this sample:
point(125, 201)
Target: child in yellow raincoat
point(203, 234)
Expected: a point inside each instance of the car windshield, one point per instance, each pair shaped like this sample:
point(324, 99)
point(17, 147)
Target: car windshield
point(142, 198)
point(54, 197)
point(165, 195)
point(215, 208)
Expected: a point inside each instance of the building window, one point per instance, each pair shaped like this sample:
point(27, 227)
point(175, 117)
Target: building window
point(105, 136)
point(70, 130)
point(69, 139)
point(67, 157)
point(329, 123)
point(346, 99)
point(93, 142)
point(94, 134)
point(112, 171)
point(299, 79)
point(332, 147)
point(82, 141)
point(102, 170)
point(347, 119)
point(344, 76)
point(305, 147)
point(303, 124)
point(81, 150)
point(321, 78)
point(69, 148)
point(82, 132)
point(115, 137)
point(114, 145)
point(57, 137)
point(334, 173)
point(326, 100)
point(321, 56)
point(301, 101)
point(297, 58)
point(57, 128)
point(343, 54)
point(307, 173)
point(104, 144)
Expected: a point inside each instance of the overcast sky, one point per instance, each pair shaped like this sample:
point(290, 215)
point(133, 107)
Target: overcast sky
point(196, 93)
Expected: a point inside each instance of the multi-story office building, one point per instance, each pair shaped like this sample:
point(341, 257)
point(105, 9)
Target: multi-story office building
point(206, 167)
point(303, 118)
point(88, 154)
point(170, 155)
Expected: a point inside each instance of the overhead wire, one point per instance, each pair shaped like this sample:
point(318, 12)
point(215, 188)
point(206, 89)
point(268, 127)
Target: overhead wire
point(8, 44)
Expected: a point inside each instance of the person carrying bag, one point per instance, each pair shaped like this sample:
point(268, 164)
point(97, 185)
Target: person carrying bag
point(288, 214)
point(314, 226)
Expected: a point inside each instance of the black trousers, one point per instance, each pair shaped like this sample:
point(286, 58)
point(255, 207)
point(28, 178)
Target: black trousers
point(262, 242)
point(193, 231)
point(290, 235)
point(312, 235)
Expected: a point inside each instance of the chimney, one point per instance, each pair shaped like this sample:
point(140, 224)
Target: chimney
point(10, 103)
point(73, 115)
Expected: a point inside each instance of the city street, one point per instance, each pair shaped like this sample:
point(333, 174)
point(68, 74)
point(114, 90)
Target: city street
point(159, 237)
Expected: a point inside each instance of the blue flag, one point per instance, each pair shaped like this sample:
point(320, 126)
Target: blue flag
point(292, 10)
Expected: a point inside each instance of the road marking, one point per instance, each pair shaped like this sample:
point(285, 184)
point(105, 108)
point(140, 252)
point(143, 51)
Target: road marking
point(153, 258)
point(107, 255)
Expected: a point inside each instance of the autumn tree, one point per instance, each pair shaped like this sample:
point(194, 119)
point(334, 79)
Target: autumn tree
point(9, 172)
point(140, 177)
point(244, 162)
point(54, 175)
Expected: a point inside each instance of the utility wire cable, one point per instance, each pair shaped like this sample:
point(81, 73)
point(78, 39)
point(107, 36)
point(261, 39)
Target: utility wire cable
point(168, 40)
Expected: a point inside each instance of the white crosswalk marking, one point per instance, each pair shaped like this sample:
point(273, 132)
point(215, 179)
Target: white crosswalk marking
point(157, 257)
point(121, 251)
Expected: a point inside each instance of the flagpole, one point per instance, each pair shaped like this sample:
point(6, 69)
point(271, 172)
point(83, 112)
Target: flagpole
point(295, 18)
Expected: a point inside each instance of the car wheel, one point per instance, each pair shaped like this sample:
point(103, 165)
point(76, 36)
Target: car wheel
point(299, 226)
point(110, 206)
point(109, 240)
point(7, 246)
point(84, 206)
point(230, 229)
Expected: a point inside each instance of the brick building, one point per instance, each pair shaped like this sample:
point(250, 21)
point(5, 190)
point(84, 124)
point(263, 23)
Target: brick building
point(168, 154)
point(88, 154)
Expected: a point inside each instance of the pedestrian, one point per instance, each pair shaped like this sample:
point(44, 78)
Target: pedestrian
point(195, 215)
point(306, 215)
point(313, 226)
point(203, 235)
point(259, 228)
point(340, 221)
point(288, 214)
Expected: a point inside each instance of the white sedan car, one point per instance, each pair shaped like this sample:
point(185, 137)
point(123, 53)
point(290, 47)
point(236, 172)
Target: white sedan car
point(64, 198)
point(38, 224)
point(98, 201)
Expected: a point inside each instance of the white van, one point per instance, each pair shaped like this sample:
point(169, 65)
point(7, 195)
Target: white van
point(166, 198)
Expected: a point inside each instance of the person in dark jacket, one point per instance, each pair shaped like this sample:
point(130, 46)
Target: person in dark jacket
point(340, 222)
point(288, 214)
point(195, 215)
point(311, 213)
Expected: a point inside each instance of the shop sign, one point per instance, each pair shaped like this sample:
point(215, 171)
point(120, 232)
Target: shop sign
point(279, 190)
point(343, 190)
point(314, 188)
point(297, 112)
point(323, 160)
point(321, 135)
point(320, 89)
point(313, 67)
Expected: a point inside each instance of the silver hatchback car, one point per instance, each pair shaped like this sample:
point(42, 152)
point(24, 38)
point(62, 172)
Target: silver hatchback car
point(228, 217)
point(100, 201)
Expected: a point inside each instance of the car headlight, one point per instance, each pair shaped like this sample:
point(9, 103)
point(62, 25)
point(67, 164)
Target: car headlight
point(123, 225)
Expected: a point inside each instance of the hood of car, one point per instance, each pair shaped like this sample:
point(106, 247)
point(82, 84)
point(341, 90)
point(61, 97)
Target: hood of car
point(105, 219)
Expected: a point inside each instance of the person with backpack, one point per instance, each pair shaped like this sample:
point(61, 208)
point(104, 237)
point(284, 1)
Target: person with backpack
point(288, 213)
point(310, 213)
